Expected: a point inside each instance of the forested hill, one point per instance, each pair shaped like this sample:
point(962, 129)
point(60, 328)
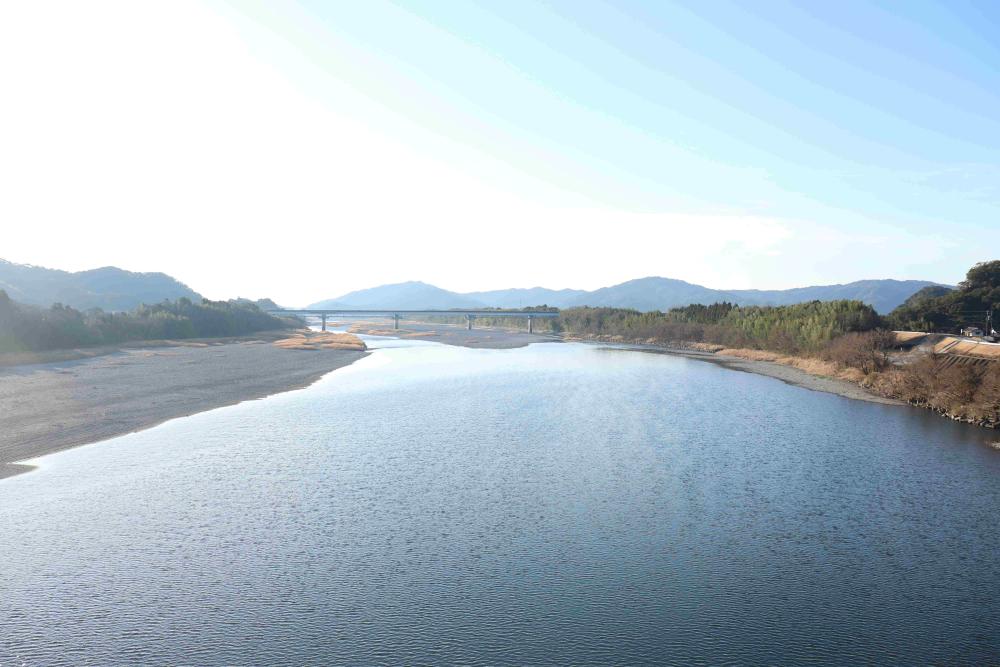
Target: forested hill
point(408, 295)
point(882, 295)
point(524, 297)
point(933, 309)
point(25, 328)
point(649, 294)
point(645, 294)
point(108, 288)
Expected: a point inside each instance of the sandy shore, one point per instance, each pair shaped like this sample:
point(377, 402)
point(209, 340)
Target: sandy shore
point(51, 406)
point(789, 374)
point(453, 334)
point(801, 378)
point(56, 400)
point(501, 339)
point(82, 398)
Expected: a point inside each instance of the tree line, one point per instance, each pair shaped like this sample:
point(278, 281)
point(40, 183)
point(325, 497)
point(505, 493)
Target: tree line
point(798, 328)
point(29, 328)
point(850, 334)
point(939, 309)
point(802, 327)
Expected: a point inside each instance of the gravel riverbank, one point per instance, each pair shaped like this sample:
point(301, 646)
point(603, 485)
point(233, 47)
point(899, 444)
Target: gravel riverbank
point(55, 405)
point(75, 397)
point(52, 406)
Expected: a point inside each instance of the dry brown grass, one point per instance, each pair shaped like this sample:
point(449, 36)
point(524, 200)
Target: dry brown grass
point(373, 329)
point(317, 340)
point(661, 342)
point(707, 347)
point(903, 337)
point(375, 332)
point(967, 347)
point(968, 390)
point(810, 365)
point(379, 329)
point(752, 355)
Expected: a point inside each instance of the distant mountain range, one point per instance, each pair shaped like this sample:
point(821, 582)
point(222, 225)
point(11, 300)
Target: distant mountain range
point(413, 295)
point(653, 293)
point(114, 289)
point(108, 288)
point(532, 296)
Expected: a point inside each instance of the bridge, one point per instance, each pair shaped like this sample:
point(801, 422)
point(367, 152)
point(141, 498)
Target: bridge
point(469, 315)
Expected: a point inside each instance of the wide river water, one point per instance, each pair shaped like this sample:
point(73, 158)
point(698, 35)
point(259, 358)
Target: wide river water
point(555, 504)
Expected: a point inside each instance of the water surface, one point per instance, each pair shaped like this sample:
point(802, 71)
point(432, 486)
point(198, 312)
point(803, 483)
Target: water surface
point(551, 504)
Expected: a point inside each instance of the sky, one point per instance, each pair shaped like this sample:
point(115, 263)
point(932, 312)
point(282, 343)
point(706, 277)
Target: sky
point(301, 150)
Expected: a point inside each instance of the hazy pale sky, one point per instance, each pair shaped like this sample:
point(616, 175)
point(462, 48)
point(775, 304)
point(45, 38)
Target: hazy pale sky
point(302, 150)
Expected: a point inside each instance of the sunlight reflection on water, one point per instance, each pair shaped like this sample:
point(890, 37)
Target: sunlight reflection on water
point(550, 504)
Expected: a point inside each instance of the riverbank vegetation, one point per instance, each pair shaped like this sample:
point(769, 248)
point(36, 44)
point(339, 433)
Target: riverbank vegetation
point(803, 327)
point(843, 339)
point(946, 310)
point(28, 328)
point(967, 390)
point(796, 328)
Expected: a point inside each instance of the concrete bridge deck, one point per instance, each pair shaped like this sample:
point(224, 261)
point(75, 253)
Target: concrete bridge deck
point(469, 315)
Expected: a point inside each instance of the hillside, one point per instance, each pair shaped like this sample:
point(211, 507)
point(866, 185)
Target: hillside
point(27, 328)
point(882, 295)
point(523, 298)
point(970, 305)
point(645, 294)
point(108, 288)
point(408, 295)
point(651, 293)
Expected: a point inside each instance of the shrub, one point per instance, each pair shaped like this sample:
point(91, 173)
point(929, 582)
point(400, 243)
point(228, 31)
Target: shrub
point(867, 351)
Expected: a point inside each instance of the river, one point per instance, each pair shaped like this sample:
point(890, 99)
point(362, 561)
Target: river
point(554, 504)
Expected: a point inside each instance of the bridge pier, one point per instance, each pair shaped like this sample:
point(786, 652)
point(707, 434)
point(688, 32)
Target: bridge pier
point(470, 315)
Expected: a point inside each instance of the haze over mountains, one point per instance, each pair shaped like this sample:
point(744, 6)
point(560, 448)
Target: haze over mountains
point(114, 289)
point(652, 293)
point(108, 288)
